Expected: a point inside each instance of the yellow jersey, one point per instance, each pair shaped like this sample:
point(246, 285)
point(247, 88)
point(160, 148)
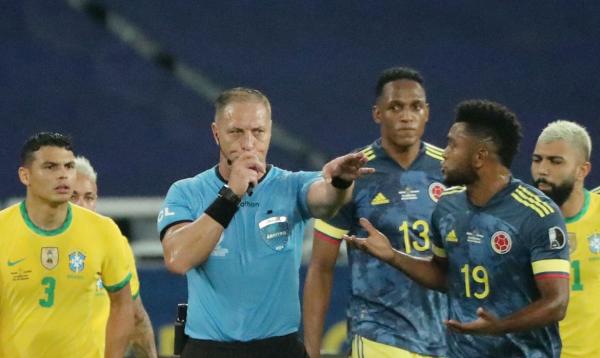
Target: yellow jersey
point(48, 282)
point(103, 301)
point(580, 330)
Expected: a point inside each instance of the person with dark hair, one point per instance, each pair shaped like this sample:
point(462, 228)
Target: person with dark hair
point(500, 245)
point(388, 314)
point(52, 255)
point(559, 165)
point(236, 231)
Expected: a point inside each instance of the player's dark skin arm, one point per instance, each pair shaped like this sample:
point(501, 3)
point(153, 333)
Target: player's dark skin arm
point(549, 308)
point(429, 272)
point(142, 339)
point(317, 293)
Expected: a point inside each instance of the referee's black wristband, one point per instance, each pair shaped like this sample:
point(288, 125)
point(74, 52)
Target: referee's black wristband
point(222, 210)
point(340, 183)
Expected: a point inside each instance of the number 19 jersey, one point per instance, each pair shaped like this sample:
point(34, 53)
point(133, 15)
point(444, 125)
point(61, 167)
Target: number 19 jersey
point(495, 255)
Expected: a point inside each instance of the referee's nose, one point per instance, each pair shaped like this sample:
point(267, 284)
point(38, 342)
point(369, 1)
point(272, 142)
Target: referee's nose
point(248, 141)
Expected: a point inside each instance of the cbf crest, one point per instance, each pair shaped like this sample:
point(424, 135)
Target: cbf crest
point(76, 261)
point(49, 257)
point(594, 243)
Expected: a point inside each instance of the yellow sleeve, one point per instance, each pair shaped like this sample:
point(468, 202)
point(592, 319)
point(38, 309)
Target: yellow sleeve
point(116, 271)
point(134, 284)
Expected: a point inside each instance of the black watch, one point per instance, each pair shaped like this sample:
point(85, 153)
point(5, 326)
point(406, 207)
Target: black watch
point(228, 194)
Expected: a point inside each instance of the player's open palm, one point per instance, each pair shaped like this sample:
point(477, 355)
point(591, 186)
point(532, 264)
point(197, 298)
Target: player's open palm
point(376, 243)
point(347, 167)
point(486, 323)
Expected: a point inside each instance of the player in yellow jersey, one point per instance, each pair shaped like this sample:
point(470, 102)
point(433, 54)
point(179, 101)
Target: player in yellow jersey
point(560, 163)
point(85, 193)
point(51, 256)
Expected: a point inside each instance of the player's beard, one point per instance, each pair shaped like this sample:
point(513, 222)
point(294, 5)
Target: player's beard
point(559, 193)
point(460, 176)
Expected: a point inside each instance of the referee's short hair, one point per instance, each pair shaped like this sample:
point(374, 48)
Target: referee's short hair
point(240, 94)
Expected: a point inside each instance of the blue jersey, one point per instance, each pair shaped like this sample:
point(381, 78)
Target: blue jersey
point(495, 253)
point(249, 286)
point(387, 306)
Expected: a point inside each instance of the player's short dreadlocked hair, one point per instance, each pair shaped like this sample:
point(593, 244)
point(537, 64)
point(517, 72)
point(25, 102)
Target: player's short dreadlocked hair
point(492, 121)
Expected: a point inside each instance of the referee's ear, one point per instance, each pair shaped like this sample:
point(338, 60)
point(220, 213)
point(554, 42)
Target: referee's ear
point(215, 132)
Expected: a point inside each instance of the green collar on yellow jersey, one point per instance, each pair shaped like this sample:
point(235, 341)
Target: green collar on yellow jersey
point(41, 231)
point(584, 209)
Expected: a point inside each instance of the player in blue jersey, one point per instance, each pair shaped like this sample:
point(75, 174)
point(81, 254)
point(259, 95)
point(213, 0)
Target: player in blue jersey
point(236, 231)
point(389, 314)
point(499, 245)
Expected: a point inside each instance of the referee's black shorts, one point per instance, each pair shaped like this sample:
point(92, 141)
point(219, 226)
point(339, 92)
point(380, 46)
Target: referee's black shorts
point(288, 346)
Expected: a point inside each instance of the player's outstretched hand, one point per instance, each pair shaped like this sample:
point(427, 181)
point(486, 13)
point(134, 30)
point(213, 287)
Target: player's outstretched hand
point(377, 244)
point(486, 323)
point(347, 167)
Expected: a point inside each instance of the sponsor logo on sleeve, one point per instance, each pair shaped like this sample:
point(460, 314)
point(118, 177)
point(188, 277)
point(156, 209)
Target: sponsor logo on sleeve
point(164, 213)
point(557, 238)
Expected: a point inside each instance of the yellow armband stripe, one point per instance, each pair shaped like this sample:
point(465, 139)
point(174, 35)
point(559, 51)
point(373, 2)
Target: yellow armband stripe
point(329, 230)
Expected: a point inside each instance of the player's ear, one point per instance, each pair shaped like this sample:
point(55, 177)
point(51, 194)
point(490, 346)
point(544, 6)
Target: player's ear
point(583, 170)
point(426, 110)
point(480, 156)
point(24, 175)
point(376, 113)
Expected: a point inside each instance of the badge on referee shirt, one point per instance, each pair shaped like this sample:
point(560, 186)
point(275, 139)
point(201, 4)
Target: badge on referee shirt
point(275, 232)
